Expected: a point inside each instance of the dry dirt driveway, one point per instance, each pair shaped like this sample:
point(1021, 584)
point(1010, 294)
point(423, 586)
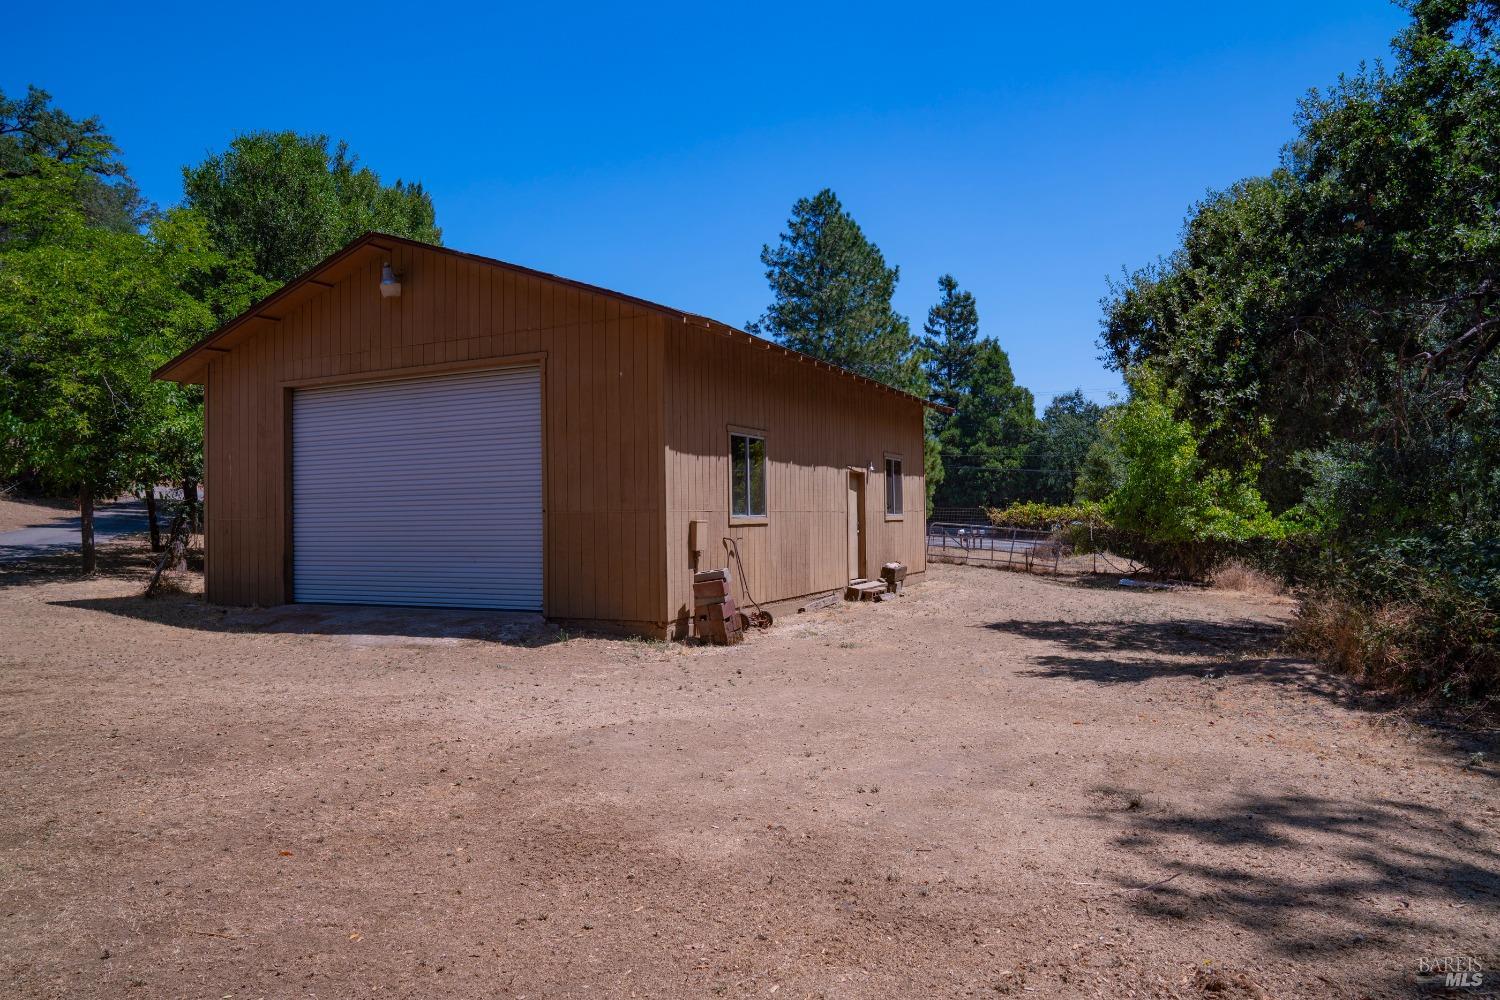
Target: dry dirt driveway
point(995, 785)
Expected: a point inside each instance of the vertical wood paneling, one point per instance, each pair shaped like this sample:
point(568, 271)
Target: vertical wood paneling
point(817, 425)
point(603, 421)
point(637, 406)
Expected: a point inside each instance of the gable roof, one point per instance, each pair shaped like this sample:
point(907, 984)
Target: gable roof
point(189, 365)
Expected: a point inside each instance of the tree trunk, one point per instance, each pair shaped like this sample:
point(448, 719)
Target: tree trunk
point(190, 503)
point(86, 533)
point(151, 518)
point(176, 555)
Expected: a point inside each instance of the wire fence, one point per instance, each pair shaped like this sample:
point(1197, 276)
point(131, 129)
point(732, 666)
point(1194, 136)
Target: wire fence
point(1029, 550)
point(989, 545)
point(959, 515)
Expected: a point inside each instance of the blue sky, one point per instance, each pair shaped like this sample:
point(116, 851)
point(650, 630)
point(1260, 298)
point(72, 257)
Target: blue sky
point(655, 150)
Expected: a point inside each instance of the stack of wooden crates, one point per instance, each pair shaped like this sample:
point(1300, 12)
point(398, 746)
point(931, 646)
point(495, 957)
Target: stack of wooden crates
point(715, 618)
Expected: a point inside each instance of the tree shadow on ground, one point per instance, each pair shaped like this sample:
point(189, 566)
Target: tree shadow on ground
point(1173, 637)
point(367, 626)
point(1312, 875)
point(1110, 580)
point(116, 560)
point(1131, 652)
point(56, 541)
point(133, 561)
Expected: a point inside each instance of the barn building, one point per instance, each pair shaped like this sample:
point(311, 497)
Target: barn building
point(410, 425)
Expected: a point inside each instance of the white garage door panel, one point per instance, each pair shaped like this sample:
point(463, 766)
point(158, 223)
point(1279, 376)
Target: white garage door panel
point(422, 492)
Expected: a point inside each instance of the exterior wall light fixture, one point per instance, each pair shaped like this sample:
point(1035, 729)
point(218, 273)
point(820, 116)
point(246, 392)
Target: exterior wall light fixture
point(390, 285)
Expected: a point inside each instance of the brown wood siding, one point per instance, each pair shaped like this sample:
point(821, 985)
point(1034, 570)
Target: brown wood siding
point(603, 437)
point(816, 426)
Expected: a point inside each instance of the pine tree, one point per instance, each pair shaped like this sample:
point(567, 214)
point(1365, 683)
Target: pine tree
point(932, 456)
point(987, 440)
point(831, 296)
point(950, 347)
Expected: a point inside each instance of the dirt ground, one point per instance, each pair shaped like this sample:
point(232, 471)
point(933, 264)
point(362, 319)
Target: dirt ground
point(994, 785)
point(32, 513)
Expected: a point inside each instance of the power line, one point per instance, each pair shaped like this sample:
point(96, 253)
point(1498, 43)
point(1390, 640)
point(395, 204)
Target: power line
point(980, 464)
point(1079, 388)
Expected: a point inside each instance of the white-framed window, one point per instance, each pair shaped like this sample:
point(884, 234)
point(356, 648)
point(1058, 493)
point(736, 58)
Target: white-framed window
point(747, 475)
point(893, 500)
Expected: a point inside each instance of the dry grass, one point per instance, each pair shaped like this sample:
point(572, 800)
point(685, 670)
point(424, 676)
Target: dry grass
point(1245, 579)
point(1435, 644)
point(177, 582)
point(1368, 645)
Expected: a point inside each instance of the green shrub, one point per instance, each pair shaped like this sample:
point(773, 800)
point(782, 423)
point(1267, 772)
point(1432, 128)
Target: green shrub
point(1039, 516)
point(1405, 591)
point(1081, 525)
point(1422, 635)
point(1167, 508)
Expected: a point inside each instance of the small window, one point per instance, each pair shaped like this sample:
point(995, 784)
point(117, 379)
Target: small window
point(893, 486)
point(747, 475)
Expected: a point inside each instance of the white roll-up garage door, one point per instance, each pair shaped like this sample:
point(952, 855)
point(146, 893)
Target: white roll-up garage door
point(420, 491)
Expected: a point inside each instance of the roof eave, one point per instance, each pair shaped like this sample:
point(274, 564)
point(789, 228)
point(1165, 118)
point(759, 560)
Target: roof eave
point(727, 330)
point(192, 363)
